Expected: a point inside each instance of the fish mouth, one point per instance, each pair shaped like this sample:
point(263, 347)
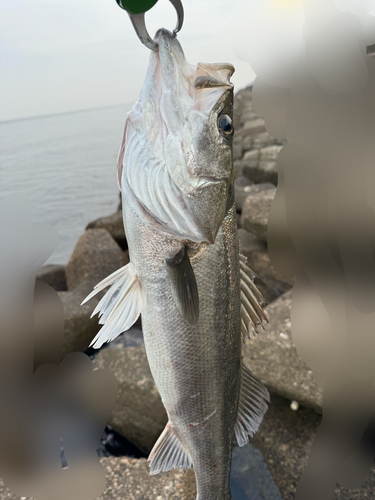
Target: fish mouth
point(204, 182)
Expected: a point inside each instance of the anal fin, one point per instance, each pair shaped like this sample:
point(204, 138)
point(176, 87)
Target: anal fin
point(168, 453)
point(252, 406)
point(184, 286)
point(121, 305)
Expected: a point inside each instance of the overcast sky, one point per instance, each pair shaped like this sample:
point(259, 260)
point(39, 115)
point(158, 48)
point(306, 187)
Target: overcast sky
point(64, 55)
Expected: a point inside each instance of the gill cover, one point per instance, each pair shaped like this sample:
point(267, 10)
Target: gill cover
point(175, 163)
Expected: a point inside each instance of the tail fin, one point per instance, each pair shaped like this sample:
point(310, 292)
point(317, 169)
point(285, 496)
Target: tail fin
point(120, 307)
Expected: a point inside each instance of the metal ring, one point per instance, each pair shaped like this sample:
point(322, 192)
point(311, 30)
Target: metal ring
point(138, 21)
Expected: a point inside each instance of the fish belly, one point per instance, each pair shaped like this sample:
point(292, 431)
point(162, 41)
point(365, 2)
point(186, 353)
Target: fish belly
point(196, 368)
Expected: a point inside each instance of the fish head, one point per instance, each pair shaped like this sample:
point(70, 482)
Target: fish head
point(183, 122)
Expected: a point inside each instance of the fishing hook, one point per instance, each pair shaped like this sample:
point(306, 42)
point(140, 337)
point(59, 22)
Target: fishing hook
point(138, 21)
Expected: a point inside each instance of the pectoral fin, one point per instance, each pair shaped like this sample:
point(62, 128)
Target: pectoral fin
point(121, 305)
point(168, 454)
point(252, 406)
point(184, 286)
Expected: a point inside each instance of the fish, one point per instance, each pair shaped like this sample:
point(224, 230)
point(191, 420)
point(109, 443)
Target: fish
point(186, 276)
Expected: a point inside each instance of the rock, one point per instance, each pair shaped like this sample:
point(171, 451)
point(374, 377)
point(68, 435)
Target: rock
point(270, 153)
point(260, 165)
point(129, 479)
point(241, 189)
point(79, 329)
point(247, 143)
point(114, 225)
point(139, 414)
point(114, 444)
point(250, 478)
point(271, 283)
point(95, 257)
point(273, 358)
point(284, 439)
point(256, 208)
point(238, 220)
point(263, 140)
point(248, 115)
point(237, 166)
point(132, 337)
point(253, 128)
point(250, 163)
point(237, 148)
point(54, 275)
point(371, 50)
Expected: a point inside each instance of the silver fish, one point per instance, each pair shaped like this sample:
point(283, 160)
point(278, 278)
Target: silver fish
point(186, 276)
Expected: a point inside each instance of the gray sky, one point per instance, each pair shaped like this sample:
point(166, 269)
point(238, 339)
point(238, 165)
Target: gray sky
point(63, 55)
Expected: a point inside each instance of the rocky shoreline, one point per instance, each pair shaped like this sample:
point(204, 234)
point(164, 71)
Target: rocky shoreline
point(268, 468)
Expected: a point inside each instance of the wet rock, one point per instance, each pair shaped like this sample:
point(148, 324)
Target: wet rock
point(114, 225)
point(95, 257)
point(273, 358)
point(250, 478)
point(79, 329)
point(271, 283)
point(139, 414)
point(54, 275)
point(114, 444)
point(241, 189)
point(284, 439)
point(256, 208)
point(129, 479)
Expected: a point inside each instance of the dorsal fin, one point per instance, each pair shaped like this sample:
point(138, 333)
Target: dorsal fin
point(252, 301)
point(168, 453)
point(251, 406)
point(121, 305)
point(184, 286)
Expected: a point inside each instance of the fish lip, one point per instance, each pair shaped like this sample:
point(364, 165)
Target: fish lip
point(207, 181)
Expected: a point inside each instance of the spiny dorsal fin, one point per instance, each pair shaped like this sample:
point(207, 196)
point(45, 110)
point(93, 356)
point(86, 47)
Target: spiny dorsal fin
point(184, 286)
point(121, 305)
point(252, 301)
point(168, 453)
point(251, 406)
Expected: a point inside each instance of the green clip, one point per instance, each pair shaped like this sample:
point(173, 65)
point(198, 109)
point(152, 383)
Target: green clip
point(136, 6)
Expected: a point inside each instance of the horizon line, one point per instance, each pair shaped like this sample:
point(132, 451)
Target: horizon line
point(32, 117)
point(64, 112)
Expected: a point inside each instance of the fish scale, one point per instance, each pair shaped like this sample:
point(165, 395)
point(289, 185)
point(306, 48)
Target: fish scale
point(186, 275)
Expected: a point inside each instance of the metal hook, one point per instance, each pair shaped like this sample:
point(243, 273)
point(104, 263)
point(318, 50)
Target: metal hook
point(138, 21)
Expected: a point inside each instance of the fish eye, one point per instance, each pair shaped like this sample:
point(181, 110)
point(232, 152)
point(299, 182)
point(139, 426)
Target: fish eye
point(225, 125)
